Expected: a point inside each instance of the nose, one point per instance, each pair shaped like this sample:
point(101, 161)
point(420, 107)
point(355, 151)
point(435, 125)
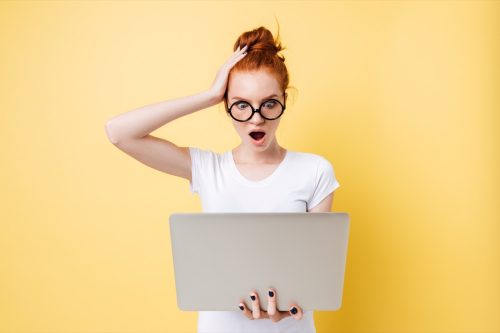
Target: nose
point(256, 118)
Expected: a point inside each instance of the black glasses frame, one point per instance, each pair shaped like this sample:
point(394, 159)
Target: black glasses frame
point(283, 107)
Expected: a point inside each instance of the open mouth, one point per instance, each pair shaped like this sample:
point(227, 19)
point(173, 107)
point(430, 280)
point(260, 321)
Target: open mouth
point(257, 136)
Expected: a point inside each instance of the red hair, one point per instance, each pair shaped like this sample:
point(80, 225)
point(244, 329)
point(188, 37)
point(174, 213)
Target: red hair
point(262, 53)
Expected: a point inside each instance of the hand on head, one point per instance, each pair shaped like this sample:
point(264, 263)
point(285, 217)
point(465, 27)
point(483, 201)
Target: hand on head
point(219, 85)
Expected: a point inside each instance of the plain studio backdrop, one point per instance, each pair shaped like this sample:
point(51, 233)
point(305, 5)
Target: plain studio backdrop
point(400, 96)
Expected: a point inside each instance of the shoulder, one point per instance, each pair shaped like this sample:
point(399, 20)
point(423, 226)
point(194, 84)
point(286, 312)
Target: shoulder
point(204, 156)
point(319, 167)
point(196, 151)
point(309, 159)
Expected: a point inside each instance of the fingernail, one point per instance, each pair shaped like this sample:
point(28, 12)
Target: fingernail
point(271, 293)
point(293, 310)
point(252, 297)
point(241, 307)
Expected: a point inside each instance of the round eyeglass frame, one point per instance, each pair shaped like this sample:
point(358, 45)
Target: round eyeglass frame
point(283, 107)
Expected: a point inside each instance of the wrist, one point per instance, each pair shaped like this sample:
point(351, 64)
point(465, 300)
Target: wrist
point(214, 97)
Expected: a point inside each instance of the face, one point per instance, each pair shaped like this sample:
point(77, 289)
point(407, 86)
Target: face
point(255, 87)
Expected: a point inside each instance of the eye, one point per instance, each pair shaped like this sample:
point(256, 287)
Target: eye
point(269, 104)
point(241, 105)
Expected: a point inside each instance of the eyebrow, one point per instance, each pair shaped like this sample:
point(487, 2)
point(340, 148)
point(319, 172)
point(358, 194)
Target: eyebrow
point(236, 97)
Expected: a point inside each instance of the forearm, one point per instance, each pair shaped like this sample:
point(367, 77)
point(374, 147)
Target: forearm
point(140, 122)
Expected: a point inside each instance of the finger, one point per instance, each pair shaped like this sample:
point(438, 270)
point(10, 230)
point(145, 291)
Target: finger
point(243, 307)
point(271, 303)
point(231, 64)
point(255, 305)
point(239, 50)
point(238, 55)
point(234, 59)
point(296, 312)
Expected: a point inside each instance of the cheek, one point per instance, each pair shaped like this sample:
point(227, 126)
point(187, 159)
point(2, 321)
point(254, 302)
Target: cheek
point(275, 126)
point(239, 128)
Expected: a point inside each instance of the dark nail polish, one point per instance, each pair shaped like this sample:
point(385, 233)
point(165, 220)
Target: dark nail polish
point(271, 293)
point(252, 297)
point(241, 308)
point(293, 310)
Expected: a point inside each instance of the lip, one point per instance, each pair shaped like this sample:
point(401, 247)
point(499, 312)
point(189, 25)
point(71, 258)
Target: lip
point(257, 130)
point(258, 142)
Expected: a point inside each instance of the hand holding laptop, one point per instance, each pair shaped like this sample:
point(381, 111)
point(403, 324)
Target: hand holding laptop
point(272, 313)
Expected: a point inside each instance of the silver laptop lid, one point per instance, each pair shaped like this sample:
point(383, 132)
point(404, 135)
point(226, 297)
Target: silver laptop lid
point(219, 258)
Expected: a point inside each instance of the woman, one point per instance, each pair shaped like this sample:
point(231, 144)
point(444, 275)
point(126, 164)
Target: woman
point(256, 176)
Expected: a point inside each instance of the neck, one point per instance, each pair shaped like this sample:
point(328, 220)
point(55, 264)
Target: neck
point(249, 155)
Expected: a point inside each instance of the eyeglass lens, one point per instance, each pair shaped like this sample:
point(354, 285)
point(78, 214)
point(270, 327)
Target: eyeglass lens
point(270, 109)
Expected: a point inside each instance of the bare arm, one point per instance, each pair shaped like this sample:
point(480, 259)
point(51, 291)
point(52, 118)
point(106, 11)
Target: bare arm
point(130, 131)
point(140, 122)
point(324, 206)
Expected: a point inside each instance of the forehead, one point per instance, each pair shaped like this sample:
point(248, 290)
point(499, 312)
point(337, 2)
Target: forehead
point(252, 85)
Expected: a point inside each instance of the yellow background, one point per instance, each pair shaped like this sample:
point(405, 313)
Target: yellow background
point(401, 97)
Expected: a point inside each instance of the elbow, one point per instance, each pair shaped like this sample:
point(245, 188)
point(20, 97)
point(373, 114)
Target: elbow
point(111, 134)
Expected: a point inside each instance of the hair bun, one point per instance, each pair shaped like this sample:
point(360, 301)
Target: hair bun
point(262, 51)
point(260, 39)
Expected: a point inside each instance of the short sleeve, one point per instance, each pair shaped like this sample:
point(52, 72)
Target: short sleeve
point(325, 183)
point(203, 163)
point(195, 166)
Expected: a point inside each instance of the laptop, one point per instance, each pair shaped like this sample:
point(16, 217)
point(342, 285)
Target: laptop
point(220, 258)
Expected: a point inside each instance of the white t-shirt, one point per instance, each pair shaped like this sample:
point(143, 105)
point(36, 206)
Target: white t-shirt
point(300, 182)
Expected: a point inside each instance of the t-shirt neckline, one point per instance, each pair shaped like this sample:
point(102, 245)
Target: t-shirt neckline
point(261, 182)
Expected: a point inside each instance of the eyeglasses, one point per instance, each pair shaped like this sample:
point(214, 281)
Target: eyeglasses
point(243, 111)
